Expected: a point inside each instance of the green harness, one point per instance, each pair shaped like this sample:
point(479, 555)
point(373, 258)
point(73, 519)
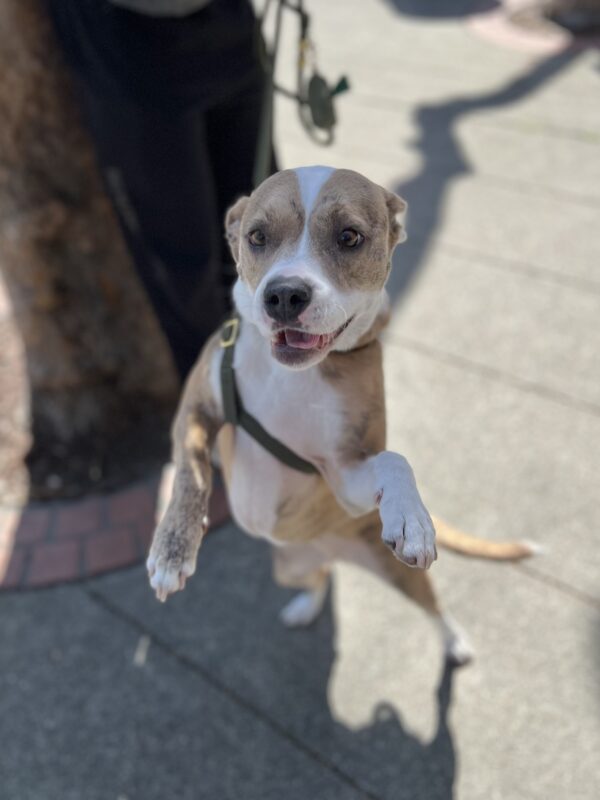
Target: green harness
point(236, 414)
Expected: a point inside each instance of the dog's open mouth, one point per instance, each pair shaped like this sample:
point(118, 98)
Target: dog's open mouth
point(294, 344)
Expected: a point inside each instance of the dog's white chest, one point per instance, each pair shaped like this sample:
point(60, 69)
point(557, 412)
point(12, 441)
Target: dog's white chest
point(259, 486)
point(297, 407)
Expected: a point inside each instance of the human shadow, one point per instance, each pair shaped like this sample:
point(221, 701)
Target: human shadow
point(441, 9)
point(383, 758)
point(407, 767)
point(444, 160)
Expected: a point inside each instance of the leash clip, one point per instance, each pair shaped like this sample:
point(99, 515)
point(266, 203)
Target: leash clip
point(229, 332)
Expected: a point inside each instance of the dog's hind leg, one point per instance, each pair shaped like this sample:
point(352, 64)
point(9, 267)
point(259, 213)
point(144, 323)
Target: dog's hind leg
point(305, 607)
point(301, 567)
point(415, 584)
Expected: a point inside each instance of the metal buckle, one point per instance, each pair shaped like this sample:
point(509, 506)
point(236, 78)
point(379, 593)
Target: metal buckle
point(233, 326)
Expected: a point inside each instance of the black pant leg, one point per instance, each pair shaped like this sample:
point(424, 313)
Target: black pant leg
point(147, 85)
point(159, 176)
point(176, 174)
point(232, 129)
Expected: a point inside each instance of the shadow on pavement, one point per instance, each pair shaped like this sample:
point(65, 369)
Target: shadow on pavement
point(444, 161)
point(384, 758)
point(445, 9)
point(413, 770)
point(226, 623)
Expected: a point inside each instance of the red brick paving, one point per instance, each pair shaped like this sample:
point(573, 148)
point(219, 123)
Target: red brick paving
point(53, 562)
point(134, 504)
point(78, 518)
point(29, 525)
point(109, 550)
point(143, 536)
point(61, 541)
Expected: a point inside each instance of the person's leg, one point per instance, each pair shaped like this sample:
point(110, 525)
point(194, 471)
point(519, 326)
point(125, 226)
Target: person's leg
point(146, 84)
point(158, 174)
point(232, 130)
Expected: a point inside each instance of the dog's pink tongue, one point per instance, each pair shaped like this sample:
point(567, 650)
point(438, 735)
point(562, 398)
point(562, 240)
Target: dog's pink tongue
point(300, 339)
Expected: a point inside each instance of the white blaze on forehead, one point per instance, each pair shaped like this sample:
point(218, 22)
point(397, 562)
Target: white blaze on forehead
point(300, 263)
point(310, 181)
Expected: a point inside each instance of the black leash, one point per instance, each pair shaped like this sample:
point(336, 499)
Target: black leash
point(313, 94)
point(236, 414)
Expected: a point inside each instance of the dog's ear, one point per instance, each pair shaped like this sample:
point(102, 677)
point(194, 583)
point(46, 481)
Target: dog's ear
point(233, 219)
point(397, 212)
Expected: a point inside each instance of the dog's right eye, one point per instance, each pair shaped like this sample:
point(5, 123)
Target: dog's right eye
point(350, 238)
point(257, 238)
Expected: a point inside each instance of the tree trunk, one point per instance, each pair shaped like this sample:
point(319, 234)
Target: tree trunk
point(99, 379)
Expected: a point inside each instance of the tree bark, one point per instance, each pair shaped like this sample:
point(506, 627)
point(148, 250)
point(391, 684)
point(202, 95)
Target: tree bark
point(99, 374)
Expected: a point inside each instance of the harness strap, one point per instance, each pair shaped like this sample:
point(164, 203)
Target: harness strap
point(235, 413)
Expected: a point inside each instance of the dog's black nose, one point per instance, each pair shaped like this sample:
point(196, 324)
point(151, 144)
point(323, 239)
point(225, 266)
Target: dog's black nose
point(286, 300)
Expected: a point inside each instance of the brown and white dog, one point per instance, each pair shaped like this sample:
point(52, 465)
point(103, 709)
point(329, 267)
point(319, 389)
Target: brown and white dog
point(313, 248)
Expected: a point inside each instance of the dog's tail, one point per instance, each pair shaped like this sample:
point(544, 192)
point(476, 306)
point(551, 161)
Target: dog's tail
point(468, 545)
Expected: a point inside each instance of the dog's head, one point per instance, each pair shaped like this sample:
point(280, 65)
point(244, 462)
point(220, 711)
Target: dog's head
point(313, 249)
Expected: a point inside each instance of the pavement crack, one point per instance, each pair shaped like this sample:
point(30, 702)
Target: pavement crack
point(558, 584)
point(224, 689)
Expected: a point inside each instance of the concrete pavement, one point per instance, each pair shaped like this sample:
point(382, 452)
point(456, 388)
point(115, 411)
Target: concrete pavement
point(492, 364)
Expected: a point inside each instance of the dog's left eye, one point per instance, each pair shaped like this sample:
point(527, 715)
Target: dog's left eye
point(257, 238)
point(350, 238)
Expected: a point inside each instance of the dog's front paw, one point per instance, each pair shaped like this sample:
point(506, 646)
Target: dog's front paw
point(407, 526)
point(171, 561)
point(412, 539)
point(168, 575)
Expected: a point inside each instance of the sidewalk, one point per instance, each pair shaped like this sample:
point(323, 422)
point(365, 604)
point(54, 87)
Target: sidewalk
point(492, 364)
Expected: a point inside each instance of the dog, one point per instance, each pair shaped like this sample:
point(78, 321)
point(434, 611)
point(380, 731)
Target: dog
point(291, 393)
